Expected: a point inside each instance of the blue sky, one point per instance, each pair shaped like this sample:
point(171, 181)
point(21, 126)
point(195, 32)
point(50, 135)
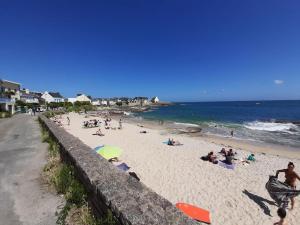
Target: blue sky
point(189, 50)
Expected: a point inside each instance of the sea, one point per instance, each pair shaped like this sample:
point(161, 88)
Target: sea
point(274, 122)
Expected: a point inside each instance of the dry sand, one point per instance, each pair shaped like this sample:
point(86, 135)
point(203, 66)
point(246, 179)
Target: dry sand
point(178, 174)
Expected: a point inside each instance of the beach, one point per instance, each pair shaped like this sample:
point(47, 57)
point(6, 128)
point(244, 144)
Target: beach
point(177, 173)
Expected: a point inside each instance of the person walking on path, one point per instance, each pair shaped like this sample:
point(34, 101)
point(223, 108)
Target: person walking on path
point(68, 119)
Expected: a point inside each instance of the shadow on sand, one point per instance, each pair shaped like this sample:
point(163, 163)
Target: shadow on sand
point(261, 202)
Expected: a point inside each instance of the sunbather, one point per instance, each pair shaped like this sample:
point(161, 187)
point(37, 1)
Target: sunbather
point(173, 143)
point(228, 159)
point(99, 132)
point(230, 153)
point(251, 158)
point(223, 151)
point(210, 157)
point(114, 159)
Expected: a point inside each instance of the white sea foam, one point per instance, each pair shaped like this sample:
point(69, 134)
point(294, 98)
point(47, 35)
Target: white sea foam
point(271, 126)
point(187, 124)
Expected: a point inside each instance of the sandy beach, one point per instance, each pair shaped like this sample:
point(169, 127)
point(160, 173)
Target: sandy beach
point(177, 173)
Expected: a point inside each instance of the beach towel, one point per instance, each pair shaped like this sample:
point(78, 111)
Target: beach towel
point(227, 166)
point(123, 167)
point(280, 192)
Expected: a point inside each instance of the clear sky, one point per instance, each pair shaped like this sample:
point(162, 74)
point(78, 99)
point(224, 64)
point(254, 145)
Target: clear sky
point(188, 50)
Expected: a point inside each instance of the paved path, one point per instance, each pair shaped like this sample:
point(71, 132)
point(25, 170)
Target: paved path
point(23, 198)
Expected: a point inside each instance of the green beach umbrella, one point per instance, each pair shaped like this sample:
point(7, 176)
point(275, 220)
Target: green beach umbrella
point(108, 151)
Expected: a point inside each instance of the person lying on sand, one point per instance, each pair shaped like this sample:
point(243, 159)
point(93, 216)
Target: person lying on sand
point(143, 132)
point(173, 143)
point(99, 132)
point(282, 214)
point(210, 157)
point(290, 178)
point(114, 159)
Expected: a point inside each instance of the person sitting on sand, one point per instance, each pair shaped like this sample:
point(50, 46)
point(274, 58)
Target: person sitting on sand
point(228, 159)
point(99, 132)
point(223, 151)
point(251, 158)
point(171, 141)
point(290, 178)
point(230, 153)
point(95, 123)
point(282, 214)
point(210, 157)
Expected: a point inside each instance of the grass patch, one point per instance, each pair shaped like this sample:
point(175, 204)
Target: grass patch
point(61, 178)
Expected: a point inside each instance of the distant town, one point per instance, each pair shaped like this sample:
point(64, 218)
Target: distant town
point(14, 98)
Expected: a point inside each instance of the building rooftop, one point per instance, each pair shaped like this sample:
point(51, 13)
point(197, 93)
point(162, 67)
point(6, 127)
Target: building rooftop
point(56, 95)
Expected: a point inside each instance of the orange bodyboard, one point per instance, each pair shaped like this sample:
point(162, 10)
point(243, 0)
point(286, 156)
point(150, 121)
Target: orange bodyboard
point(194, 212)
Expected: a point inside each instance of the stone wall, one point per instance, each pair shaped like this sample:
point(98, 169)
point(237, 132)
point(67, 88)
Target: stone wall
point(109, 188)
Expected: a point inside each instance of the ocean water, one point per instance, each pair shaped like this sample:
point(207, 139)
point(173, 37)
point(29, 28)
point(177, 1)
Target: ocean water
point(276, 122)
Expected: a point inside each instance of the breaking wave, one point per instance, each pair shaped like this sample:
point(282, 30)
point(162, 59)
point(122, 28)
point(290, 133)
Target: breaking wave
point(271, 126)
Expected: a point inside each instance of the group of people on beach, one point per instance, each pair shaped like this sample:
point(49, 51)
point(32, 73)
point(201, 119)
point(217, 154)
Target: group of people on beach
point(229, 156)
point(107, 126)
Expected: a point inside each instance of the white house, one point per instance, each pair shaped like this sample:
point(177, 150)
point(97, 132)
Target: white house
point(96, 102)
point(80, 98)
point(83, 98)
point(52, 97)
point(29, 98)
point(99, 102)
point(104, 102)
point(155, 100)
point(7, 104)
point(72, 100)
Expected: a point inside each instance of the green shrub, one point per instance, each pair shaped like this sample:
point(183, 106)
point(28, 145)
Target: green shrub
point(45, 134)
point(63, 178)
point(76, 193)
point(53, 148)
point(5, 114)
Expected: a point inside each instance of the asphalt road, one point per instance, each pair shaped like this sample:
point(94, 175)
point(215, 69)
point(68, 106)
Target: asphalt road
point(23, 198)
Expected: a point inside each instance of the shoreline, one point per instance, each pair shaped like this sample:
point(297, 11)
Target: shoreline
point(228, 142)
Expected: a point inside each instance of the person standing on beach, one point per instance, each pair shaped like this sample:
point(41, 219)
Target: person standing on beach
point(120, 124)
point(68, 119)
point(231, 133)
point(290, 178)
